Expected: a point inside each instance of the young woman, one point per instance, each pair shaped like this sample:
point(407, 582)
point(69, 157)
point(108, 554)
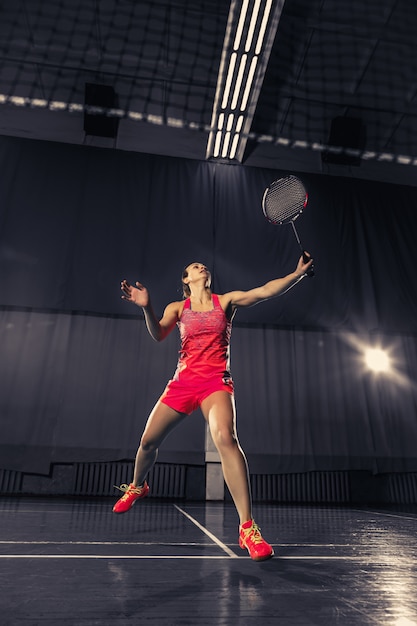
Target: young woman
point(202, 379)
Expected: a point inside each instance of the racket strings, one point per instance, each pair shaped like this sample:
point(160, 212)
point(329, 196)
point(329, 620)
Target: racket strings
point(284, 200)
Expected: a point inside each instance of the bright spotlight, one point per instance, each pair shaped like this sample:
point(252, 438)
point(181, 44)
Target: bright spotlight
point(377, 360)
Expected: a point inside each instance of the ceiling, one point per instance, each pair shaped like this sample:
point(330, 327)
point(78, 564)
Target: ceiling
point(330, 59)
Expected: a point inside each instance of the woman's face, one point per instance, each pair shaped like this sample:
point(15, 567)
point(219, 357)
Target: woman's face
point(195, 271)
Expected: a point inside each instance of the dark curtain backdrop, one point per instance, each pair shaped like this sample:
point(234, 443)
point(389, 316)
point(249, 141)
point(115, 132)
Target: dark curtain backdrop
point(79, 372)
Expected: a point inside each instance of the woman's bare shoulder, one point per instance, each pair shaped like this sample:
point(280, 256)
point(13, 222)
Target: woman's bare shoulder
point(175, 308)
point(225, 298)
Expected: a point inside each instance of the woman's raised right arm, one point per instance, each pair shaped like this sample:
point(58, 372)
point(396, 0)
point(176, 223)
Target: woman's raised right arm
point(139, 295)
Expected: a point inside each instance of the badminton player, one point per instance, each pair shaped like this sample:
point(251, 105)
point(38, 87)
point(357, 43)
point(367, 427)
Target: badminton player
point(202, 379)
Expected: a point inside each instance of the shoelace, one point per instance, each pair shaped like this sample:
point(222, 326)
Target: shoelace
point(253, 533)
point(127, 489)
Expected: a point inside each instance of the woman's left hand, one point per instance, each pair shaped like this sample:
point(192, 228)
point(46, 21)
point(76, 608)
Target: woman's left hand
point(303, 266)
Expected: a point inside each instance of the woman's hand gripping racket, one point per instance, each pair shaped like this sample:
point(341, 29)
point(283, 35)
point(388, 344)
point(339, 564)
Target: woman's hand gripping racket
point(283, 201)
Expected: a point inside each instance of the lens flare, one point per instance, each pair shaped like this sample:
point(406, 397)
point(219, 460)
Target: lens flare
point(377, 360)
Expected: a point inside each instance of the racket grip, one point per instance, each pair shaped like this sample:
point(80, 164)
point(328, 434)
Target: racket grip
point(310, 271)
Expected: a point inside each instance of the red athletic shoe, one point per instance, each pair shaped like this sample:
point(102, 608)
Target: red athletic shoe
point(250, 537)
point(132, 494)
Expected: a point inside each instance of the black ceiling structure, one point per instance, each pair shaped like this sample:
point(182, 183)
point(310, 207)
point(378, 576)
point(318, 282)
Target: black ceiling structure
point(341, 75)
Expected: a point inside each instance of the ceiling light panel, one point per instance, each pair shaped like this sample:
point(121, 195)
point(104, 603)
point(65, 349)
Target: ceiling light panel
point(250, 33)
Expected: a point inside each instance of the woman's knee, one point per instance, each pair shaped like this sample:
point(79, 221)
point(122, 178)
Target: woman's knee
point(148, 444)
point(224, 438)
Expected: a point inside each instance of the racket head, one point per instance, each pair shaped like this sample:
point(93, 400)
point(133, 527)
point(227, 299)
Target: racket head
point(284, 200)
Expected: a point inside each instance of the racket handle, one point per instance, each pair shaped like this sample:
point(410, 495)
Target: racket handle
point(310, 271)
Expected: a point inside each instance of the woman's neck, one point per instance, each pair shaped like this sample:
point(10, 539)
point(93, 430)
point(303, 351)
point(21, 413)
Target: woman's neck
point(202, 296)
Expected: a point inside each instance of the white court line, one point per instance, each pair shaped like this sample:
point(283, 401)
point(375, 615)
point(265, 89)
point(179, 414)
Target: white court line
point(153, 557)
point(209, 534)
point(386, 514)
point(360, 559)
point(116, 557)
point(105, 543)
point(35, 542)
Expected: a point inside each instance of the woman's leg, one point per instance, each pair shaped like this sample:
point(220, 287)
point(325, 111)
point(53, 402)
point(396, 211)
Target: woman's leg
point(161, 422)
point(219, 411)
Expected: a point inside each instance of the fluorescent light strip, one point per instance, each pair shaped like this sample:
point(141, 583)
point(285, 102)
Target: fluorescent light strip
point(229, 79)
point(241, 24)
point(230, 121)
point(249, 82)
point(239, 81)
point(234, 146)
point(252, 25)
point(239, 123)
point(216, 150)
point(220, 121)
point(262, 29)
point(226, 145)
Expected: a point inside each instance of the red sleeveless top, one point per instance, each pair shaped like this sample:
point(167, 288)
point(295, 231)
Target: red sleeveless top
point(205, 339)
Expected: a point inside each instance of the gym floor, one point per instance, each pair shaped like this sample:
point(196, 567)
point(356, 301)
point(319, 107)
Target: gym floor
point(72, 562)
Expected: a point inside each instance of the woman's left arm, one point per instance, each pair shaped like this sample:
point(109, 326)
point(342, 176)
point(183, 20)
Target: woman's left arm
point(271, 289)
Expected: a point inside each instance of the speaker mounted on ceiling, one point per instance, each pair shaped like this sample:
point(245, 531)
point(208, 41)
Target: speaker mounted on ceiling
point(347, 134)
point(100, 124)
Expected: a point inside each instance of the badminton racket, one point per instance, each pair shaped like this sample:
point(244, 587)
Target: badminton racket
point(283, 201)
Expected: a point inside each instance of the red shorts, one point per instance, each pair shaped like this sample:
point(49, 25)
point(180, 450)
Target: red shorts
point(187, 396)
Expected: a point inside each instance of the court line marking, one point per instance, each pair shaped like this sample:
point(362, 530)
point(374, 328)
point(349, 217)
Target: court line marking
point(180, 557)
point(105, 543)
point(172, 544)
point(386, 514)
point(111, 557)
point(217, 541)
